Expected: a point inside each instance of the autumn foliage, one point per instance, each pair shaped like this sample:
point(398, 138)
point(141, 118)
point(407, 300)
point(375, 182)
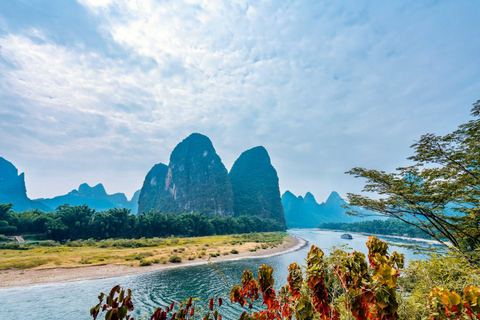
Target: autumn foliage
point(344, 286)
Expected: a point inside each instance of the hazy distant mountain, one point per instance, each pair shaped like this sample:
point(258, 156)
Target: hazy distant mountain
point(95, 197)
point(305, 212)
point(13, 190)
point(255, 186)
point(194, 181)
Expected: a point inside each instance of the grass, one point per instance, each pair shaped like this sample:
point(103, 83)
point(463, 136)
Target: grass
point(48, 254)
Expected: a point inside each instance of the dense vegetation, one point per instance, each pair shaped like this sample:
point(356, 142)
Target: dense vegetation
point(82, 222)
point(439, 194)
point(340, 286)
point(391, 227)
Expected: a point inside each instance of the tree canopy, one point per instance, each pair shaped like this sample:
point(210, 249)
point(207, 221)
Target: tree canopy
point(439, 193)
point(82, 222)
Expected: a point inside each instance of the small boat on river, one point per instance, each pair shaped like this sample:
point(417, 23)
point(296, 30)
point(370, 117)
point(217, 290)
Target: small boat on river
point(346, 236)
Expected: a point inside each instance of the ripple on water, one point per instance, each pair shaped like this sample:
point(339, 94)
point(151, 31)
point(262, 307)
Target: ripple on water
point(73, 300)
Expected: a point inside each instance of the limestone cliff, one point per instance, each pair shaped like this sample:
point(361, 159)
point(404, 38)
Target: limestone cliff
point(13, 190)
point(194, 181)
point(255, 186)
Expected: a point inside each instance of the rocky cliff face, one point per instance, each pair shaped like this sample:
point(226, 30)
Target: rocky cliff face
point(255, 186)
point(153, 194)
point(194, 181)
point(12, 188)
point(95, 197)
point(306, 212)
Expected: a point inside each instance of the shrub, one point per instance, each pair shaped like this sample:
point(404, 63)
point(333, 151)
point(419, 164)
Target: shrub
point(345, 286)
point(234, 251)
point(144, 263)
point(175, 259)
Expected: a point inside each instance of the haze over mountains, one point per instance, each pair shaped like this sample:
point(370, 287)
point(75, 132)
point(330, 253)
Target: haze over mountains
point(95, 197)
point(195, 180)
point(12, 188)
point(306, 212)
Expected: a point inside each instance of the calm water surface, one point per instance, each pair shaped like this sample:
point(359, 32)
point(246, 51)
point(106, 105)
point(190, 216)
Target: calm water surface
point(73, 300)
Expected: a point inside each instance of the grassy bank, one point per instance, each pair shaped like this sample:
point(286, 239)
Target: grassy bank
point(132, 252)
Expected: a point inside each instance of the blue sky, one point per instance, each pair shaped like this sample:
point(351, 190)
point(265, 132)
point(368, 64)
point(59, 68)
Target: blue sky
point(99, 91)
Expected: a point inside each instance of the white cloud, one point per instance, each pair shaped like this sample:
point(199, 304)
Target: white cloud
point(317, 81)
point(95, 4)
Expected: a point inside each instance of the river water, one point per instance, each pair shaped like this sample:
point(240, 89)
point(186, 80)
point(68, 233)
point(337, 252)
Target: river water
point(73, 300)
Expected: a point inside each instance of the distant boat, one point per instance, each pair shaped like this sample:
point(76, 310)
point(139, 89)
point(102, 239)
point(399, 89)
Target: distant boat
point(346, 236)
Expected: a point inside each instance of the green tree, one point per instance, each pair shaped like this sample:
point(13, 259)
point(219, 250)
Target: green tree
point(439, 193)
point(5, 216)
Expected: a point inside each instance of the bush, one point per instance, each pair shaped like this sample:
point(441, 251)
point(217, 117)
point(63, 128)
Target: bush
point(234, 251)
point(48, 244)
point(447, 271)
point(175, 259)
point(144, 263)
point(347, 286)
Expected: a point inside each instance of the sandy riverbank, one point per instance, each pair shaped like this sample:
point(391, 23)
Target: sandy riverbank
point(22, 278)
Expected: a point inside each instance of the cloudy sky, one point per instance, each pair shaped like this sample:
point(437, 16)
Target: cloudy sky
point(100, 91)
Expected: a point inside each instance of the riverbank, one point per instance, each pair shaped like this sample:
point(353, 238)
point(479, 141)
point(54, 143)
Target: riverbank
point(428, 241)
point(21, 278)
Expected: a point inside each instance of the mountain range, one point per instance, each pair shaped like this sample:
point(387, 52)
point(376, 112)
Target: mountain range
point(195, 180)
point(306, 212)
point(95, 197)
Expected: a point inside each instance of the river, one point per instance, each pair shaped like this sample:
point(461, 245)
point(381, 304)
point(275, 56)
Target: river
point(73, 300)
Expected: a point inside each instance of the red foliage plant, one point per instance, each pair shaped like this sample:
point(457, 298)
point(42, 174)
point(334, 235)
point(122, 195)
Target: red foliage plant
point(368, 292)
